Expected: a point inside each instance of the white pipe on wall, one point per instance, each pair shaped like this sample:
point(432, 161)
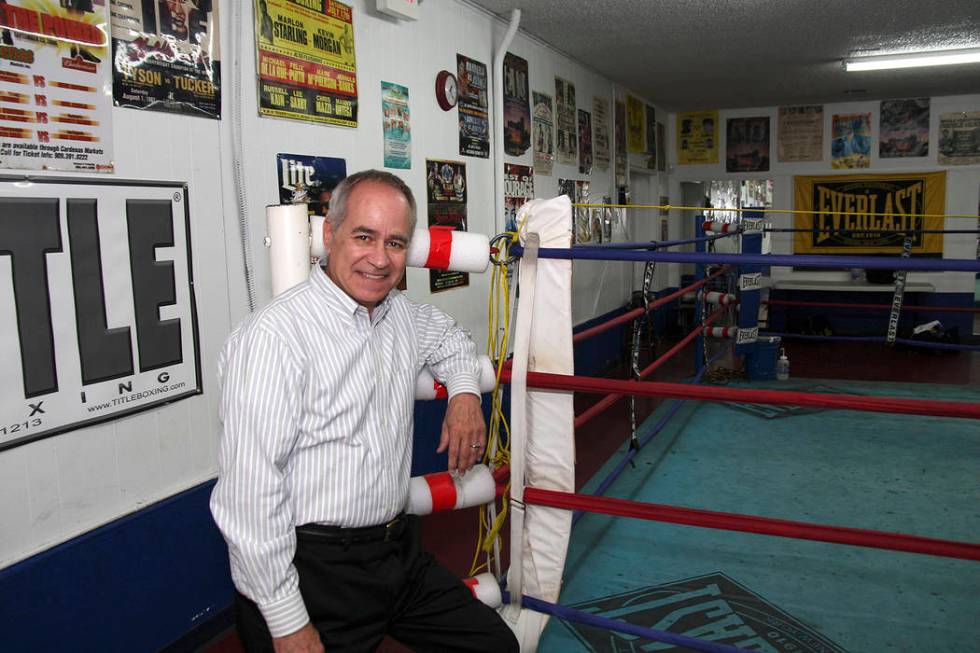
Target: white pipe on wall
point(498, 119)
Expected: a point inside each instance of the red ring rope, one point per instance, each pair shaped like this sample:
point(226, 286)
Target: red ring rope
point(970, 410)
point(749, 524)
point(636, 312)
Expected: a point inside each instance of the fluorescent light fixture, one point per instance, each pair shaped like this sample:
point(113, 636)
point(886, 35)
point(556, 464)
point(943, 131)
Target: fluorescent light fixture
point(913, 60)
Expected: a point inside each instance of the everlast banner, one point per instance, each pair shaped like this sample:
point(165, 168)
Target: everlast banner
point(97, 311)
point(862, 214)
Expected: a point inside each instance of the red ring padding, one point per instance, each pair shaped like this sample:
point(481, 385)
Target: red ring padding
point(748, 524)
point(773, 397)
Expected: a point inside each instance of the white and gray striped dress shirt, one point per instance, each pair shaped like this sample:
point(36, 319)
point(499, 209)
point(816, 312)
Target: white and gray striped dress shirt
point(316, 412)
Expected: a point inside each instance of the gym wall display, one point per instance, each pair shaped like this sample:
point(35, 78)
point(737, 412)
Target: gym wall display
point(565, 119)
point(635, 121)
point(518, 189)
point(98, 315)
point(861, 213)
point(55, 107)
point(544, 133)
point(474, 123)
point(445, 183)
point(959, 138)
point(600, 132)
point(697, 137)
point(306, 65)
point(166, 56)
point(747, 144)
point(650, 132)
point(584, 142)
point(619, 133)
point(850, 145)
point(800, 134)
point(309, 179)
point(903, 129)
point(397, 126)
point(517, 113)
point(661, 148)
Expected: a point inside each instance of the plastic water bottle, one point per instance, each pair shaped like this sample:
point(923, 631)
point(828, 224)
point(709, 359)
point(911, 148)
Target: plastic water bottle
point(782, 366)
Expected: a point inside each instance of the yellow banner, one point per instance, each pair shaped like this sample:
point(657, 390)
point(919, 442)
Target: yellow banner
point(697, 137)
point(635, 140)
point(870, 214)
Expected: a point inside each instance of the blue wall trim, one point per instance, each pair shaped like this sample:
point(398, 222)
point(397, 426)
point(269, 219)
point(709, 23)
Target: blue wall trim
point(152, 580)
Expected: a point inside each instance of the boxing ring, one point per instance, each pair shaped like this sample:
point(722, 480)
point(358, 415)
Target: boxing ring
point(834, 517)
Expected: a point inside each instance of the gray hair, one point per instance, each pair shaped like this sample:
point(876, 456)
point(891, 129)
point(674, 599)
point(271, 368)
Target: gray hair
point(341, 195)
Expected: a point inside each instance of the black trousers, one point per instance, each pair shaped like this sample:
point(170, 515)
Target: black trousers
point(357, 592)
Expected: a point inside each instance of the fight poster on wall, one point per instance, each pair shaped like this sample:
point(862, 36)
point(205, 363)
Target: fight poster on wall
point(517, 113)
point(619, 133)
point(98, 316)
point(850, 146)
point(959, 138)
point(584, 142)
point(565, 119)
point(55, 99)
point(397, 126)
point(747, 144)
point(600, 131)
point(861, 214)
point(166, 56)
point(474, 123)
point(661, 148)
point(904, 128)
point(445, 183)
point(650, 133)
point(309, 179)
point(544, 134)
point(800, 133)
point(306, 65)
point(697, 137)
point(635, 121)
point(518, 189)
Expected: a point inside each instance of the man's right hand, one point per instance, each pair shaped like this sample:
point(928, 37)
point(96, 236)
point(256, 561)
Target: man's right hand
point(304, 640)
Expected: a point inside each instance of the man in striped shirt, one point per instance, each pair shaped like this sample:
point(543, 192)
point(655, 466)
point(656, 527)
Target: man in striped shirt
point(316, 448)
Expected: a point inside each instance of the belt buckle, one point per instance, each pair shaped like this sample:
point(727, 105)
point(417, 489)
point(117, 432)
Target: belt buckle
point(390, 529)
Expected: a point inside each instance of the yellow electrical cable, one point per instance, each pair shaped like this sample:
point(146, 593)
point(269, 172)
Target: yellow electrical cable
point(668, 207)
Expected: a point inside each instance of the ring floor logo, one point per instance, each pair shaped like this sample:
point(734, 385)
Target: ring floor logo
point(712, 607)
point(766, 411)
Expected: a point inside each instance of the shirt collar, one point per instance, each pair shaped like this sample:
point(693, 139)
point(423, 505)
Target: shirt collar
point(341, 301)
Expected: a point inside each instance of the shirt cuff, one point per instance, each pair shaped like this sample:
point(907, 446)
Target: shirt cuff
point(286, 615)
point(462, 384)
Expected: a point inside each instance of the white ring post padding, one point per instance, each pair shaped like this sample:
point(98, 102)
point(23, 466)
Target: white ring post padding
point(288, 229)
point(427, 387)
point(543, 451)
point(485, 589)
point(476, 487)
point(469, 252)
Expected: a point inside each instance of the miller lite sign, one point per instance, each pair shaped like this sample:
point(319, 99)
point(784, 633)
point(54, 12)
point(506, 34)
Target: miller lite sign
point(97, 309)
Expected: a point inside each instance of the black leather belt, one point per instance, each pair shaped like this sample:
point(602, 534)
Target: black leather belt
point(364, 535)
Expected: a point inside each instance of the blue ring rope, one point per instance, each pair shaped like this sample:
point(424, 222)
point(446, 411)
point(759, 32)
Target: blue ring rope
point(654, 244)
point(903, 341)
point(783, 260)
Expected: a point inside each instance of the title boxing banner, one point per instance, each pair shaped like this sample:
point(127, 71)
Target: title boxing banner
point(97, 310)
point(861, 214)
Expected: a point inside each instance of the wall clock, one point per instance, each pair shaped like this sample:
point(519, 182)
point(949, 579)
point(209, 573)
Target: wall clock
point(447, 90)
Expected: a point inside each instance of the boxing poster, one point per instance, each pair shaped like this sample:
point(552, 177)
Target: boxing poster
point(635, 121)
point(166, 56)
point(959, 138)
point(55, 96)
point(309, 180)
point(544, 134)
point(863, 214)
point(584, 142)
point(904, 128)
point(97, 308)
point(747, 144)
point(517, 113)
point(697, 137)
point(518, 189)
point(600, 133)
point(445, 184)
point(619, 133)
point(800, 134)
point(650, 132)
point(565, 119)
point(661, 148)
point(397, 126)
point(306, 65)
point(474, 123)
point(850, 146)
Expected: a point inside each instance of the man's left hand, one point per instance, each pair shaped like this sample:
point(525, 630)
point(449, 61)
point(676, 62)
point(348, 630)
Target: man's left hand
point(463, 432)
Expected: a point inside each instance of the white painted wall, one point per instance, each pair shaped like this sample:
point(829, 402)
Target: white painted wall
point(54, 489)
point(962, 183)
